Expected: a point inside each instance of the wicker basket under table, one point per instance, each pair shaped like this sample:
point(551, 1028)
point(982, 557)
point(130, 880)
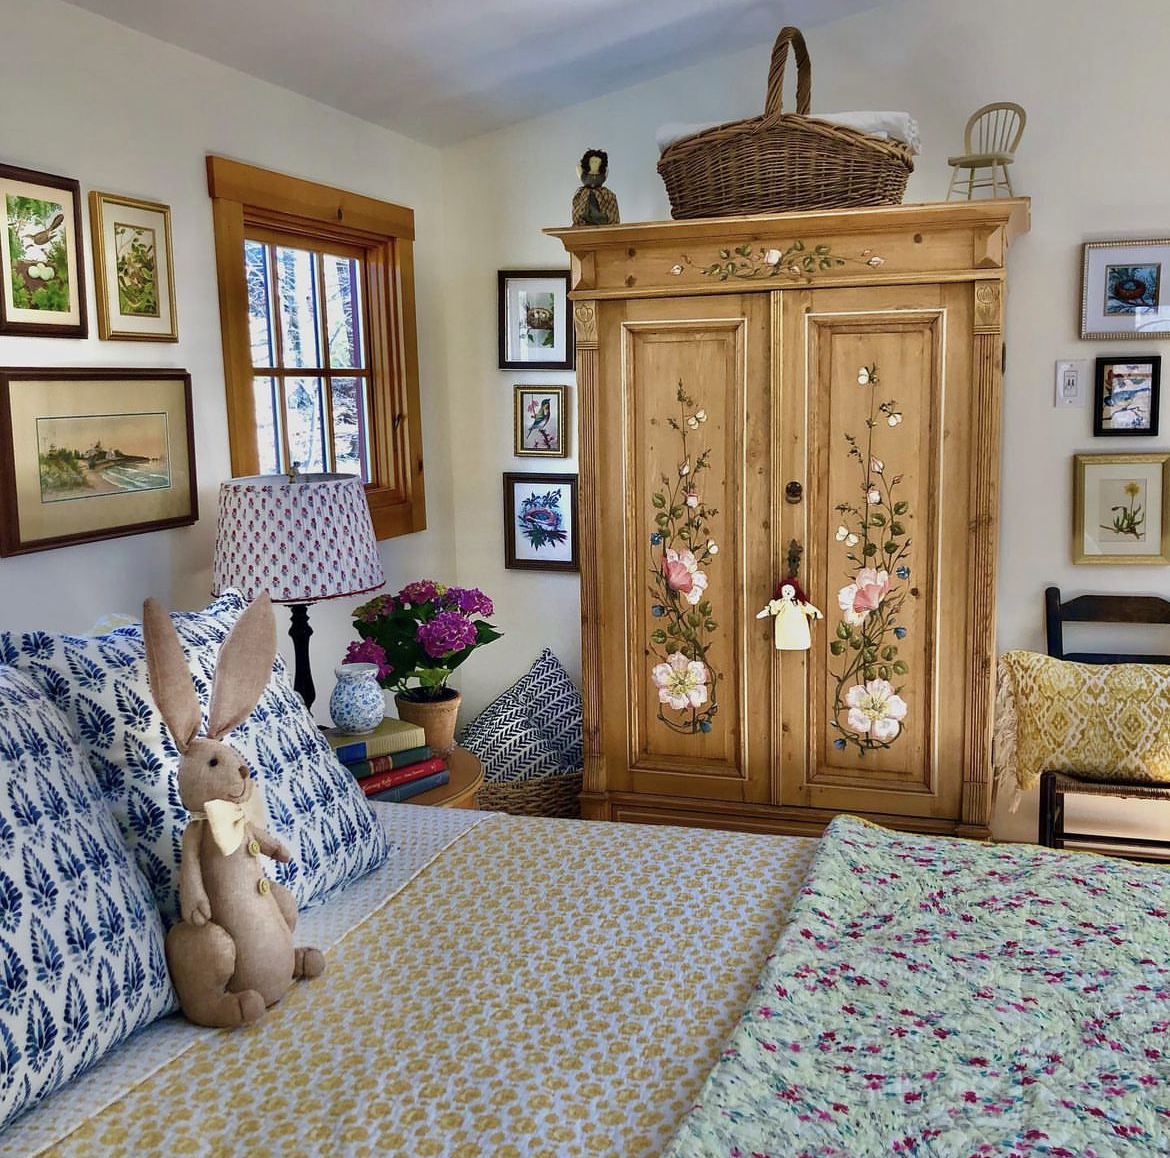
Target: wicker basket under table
point(541, 796)
point(780, 162)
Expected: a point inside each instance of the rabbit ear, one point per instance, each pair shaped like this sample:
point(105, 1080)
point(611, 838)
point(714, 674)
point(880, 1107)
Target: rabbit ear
point(244, 665)
point(170, 678)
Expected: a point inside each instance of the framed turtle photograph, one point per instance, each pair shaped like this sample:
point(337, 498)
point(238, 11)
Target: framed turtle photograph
point(535, 329)
point(133, 268)
point(40, 255)
point(1125, 289)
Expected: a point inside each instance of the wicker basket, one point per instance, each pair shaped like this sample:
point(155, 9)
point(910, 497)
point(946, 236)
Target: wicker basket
point(782, 161)
point(541, 796)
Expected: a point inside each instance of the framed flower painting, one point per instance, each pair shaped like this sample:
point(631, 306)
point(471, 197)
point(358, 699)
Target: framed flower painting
point(540, 522)
point(1121, 508)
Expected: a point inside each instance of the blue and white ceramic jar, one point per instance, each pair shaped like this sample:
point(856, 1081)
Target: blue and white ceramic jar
point(357, 704)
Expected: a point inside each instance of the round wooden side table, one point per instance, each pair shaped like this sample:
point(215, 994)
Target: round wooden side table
point(460, 791)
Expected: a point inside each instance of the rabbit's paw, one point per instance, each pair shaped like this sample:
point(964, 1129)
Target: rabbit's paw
point(309, 963)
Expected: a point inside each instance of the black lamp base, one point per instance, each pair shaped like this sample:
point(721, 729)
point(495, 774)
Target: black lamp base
point(299, 633)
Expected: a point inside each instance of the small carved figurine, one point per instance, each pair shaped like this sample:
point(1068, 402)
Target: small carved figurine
point(593, 204)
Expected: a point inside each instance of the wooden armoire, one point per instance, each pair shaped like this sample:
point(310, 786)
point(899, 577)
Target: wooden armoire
point(812, 397)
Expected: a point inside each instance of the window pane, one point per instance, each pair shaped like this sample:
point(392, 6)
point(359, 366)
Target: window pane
point(259, 303)
point(306, 417)
point(266, 400)
point(343, 312)
point(350, 426)
point(296, 280)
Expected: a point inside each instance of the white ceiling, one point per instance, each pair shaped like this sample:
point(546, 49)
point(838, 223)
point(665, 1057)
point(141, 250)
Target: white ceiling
point(442, 71)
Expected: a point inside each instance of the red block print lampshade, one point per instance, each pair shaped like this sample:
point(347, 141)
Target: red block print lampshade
point(301, 541)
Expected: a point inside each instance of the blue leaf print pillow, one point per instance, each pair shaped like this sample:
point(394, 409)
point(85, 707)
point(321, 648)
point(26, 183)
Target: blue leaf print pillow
point(313, 803)
point(74, 910)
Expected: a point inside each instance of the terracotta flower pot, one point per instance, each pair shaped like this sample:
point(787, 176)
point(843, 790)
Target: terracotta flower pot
point(437, 718)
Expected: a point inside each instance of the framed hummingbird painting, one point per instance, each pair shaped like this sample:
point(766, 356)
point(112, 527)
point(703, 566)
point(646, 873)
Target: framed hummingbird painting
point(40, 255)
point(540, 422)
point(535, 329)
point(540, 522)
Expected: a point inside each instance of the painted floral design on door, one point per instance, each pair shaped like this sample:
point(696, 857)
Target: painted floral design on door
point(681, 554)
point(868, 709)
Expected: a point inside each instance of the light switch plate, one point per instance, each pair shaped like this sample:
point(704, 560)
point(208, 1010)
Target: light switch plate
point(1071, 383)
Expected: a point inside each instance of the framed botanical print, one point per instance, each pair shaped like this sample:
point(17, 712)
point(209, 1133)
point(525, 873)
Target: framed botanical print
point(40, 255)
point(93, 454)
point(1125, 290)
point(540, 522)
point(1121, 508)
point(539, 422)
point(1126, 396)
point(534, 327)
point(133, 268)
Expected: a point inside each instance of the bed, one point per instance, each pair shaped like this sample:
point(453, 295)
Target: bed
point(527, 987)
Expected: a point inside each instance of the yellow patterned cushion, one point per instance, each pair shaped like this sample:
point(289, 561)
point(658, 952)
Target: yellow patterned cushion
point(1097, 721)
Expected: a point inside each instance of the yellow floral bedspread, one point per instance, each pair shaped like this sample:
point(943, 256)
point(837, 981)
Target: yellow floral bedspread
point(519, 998)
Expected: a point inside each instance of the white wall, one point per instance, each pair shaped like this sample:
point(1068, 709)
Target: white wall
point(1093, 160)
point(82, 97)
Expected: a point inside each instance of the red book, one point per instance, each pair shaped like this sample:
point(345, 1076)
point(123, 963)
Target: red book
point(395, 776)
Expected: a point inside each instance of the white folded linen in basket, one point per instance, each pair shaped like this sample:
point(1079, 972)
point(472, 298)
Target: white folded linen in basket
point(886, 125)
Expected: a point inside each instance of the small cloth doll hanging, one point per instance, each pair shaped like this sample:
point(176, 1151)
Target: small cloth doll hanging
point(792, 611)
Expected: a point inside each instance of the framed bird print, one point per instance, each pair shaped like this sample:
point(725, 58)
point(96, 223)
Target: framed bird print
point(40, 255)
point(535, 329)
point(132, 264)
point(540, 422)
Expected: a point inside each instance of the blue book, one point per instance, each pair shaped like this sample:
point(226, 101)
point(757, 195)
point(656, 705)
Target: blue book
point(401, 792)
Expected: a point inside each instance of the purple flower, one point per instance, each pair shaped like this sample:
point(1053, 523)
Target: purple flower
point(368, 651)
point(448, 632)
point(469, 600)
point(421, 591)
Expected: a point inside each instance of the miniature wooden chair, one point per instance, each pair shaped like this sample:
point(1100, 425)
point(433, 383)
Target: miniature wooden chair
point(1147, 609)
point(989, 143)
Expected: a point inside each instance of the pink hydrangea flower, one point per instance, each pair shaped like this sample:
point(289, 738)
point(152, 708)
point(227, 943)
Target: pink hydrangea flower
point(368, 651)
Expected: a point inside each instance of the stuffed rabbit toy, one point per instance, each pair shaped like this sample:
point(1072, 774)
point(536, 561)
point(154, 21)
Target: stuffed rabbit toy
point(231, 955)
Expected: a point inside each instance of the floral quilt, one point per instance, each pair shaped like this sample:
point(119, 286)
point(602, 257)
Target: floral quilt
point(942, 997)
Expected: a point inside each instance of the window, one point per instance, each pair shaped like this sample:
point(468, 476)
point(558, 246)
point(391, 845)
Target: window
point(320, 352)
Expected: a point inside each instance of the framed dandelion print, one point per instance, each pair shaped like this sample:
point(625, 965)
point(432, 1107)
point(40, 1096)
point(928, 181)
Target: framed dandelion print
point(540, 522)
point(539, 422)
point(40, 255)
point(534, 328)
point(1126, 398)
point(133, 268)
point(1121, 508)
point(1125, 289)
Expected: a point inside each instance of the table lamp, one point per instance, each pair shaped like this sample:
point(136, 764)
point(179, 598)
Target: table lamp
point(302, 538)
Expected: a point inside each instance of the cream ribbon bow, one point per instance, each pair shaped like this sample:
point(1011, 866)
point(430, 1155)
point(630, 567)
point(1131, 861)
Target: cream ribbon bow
point(229, 820)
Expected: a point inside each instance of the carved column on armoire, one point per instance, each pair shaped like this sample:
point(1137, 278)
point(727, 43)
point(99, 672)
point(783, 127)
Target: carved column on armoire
point(585, 330)
point(987, 370)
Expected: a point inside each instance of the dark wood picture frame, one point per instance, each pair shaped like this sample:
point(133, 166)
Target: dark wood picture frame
point(38, 240)
point(91, 454)
point(519, 346)
point(540, 528)
point(1127, 403)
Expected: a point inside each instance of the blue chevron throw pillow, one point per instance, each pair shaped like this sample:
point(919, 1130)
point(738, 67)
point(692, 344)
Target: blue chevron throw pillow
point(313, 803)
point(81, 945)
point(533, 729)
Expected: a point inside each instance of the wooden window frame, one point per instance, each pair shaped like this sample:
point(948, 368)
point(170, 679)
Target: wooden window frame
point(244, 197)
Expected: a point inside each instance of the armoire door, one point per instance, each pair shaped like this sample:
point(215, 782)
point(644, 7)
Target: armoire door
point(683, 523)
point(876, 421)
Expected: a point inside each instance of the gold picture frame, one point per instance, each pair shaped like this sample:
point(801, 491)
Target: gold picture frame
point(93, 454)
point(1121, 508)
point(539, 424)
point(133, 269)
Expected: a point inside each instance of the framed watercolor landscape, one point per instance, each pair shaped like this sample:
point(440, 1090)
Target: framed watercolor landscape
point(133, 268)
point(40, 257)
point(534, 325)
point(1125, 289)
point(93, 454)
point(540, 522)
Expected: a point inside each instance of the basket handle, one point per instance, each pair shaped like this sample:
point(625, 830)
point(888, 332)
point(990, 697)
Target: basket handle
point(774, 103)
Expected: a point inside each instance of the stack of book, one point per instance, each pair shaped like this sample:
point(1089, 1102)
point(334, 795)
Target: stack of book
point(392, 762)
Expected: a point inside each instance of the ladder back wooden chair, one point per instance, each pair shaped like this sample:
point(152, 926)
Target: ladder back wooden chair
point(1115, 609)
point(989, 146)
